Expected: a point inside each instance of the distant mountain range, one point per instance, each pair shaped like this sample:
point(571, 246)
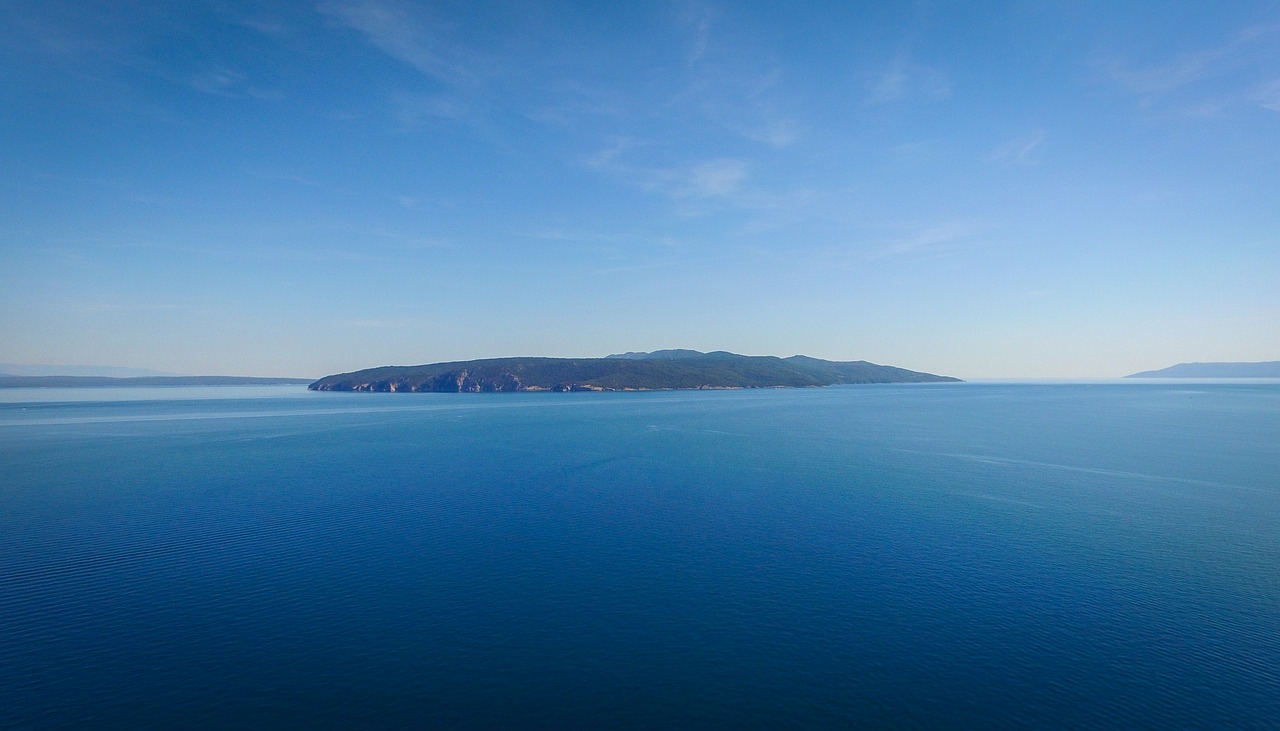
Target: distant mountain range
point(32, 369)
point(106, 381)
point(659, 370)
point(1265, 369)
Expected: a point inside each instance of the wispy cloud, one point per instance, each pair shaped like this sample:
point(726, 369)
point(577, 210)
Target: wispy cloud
point(220, 81)
point(933, 240)
point(290, 178)
point(904, 80)
point(216, 80)
point(610, 154)
point(571, 101)
point(69, 28)
point(711, 181)
point(755, 107)
point(1268, 95)
point(1018, 151)
point(223, 81)
point(412, 110)
point(749, 106)
point(1155, 80)
point(401, 31)
point(736, 88)
point(700, 187)
point(101, 35)
point(775, 132)
point(270, 27)
point(698, 18)
point(1221, 76)
point(712, 178)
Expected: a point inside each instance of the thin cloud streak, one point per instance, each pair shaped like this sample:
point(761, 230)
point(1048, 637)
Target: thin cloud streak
point(396, 30)
point(934, 240)
point(716, 178)
point(904, 80)
point(731, 89)
point(1251, 49)
point(1267, 96)
point(1018, 151)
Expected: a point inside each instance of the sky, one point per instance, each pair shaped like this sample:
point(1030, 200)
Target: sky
point(984, 190)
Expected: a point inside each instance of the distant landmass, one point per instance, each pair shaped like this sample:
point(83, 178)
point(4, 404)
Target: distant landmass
point(107, 381)
point(1265, 369)
point(40, 369)
point(659, 370)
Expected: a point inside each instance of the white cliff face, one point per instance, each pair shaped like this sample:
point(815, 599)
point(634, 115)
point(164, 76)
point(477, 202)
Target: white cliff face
point(463, 381)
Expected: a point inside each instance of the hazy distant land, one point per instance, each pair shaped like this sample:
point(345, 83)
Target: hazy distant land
point(7, 381)
point(42, 369)
point(1265, 369)
point(659, 370)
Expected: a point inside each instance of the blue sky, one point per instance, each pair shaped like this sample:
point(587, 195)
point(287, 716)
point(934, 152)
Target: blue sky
point(1021, 189)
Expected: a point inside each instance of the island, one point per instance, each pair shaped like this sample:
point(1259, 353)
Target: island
point(657, 371)
point(1265, 369)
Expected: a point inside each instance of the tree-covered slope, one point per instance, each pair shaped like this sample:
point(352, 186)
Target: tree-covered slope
point(661, 370)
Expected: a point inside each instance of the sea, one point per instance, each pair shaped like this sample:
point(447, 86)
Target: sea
point(971, 555)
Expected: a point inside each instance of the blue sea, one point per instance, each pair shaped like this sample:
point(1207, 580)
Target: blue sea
point(979, 555)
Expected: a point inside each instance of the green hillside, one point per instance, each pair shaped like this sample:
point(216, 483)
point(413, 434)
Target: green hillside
point(661, 370)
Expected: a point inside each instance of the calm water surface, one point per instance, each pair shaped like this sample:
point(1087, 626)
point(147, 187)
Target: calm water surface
point(981, 555)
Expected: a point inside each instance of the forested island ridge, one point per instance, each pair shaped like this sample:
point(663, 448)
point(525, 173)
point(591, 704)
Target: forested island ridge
point(1264, 369)
point(656, 371)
